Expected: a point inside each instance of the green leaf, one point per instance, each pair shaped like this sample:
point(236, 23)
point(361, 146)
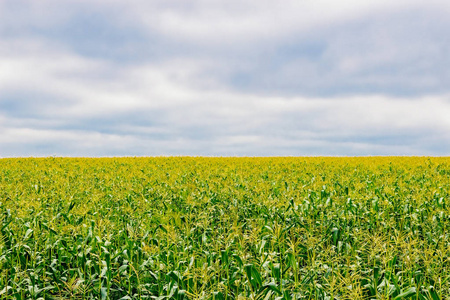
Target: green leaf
point(272, 287)
point(238, 259)
point(71, 206)
point(5, 290)
point(408, 293)
point(104, 293)
point(28, 233)
point(218, 296)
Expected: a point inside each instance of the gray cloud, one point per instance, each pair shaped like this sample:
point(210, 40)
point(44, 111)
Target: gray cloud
point(223, 78)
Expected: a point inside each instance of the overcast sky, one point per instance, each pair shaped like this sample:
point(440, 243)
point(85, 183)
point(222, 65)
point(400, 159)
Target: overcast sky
point(231, 77)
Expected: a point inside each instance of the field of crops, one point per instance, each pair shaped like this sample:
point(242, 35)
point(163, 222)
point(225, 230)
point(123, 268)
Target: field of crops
point(225, 228)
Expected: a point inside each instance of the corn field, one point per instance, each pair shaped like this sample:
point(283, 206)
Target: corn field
point(225, 228)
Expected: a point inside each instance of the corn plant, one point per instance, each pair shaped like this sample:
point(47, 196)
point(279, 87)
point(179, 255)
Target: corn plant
point(225, 228)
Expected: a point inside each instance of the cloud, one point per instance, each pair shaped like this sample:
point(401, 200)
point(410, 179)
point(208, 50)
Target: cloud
point(88, 78)
point(149, 110)
point(231, 21)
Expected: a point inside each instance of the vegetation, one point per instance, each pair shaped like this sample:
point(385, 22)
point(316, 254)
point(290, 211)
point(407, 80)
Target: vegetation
point(225, 228)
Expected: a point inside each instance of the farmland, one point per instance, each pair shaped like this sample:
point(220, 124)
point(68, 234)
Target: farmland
point(225, 228)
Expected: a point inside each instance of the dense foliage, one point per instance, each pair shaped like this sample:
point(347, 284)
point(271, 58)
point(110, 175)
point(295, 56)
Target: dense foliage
point(225, 228)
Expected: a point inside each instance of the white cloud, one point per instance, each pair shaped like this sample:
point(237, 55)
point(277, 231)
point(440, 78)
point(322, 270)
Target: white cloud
point(57, 100)
point(226, 22)
point(176, 118)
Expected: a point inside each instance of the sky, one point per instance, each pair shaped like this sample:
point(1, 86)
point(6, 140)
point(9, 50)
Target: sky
point(224, 78)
